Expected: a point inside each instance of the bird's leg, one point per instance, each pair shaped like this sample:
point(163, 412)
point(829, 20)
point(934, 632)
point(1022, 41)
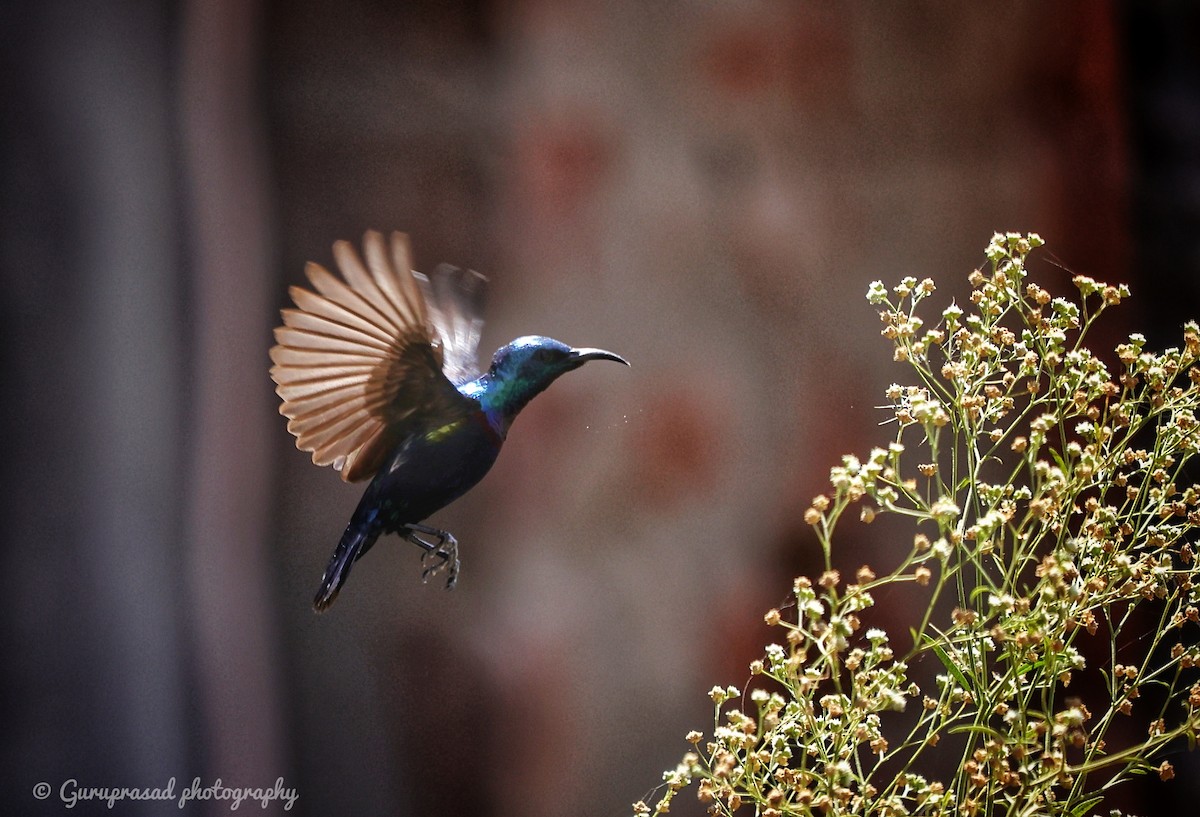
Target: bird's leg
point(445, 549)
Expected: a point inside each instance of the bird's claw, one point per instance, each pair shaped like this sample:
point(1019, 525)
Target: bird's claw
point(447, 559)
point(444, 550)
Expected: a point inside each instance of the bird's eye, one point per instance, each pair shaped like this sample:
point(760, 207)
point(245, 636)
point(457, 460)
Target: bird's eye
point(543, 355)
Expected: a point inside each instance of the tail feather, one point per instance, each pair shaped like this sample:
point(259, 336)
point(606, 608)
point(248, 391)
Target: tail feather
point(355, 542)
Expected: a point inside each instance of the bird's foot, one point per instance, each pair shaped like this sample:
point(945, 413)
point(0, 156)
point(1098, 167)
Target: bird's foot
point(444, 552)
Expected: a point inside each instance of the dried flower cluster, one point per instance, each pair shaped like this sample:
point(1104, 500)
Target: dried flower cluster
point(1053, 525)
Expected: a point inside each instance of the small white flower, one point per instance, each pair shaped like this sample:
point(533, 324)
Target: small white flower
point(945, 509)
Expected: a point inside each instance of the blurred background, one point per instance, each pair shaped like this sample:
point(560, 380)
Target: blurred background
point(705, 188)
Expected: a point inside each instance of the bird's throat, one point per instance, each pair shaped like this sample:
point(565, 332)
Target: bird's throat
point(501, 399)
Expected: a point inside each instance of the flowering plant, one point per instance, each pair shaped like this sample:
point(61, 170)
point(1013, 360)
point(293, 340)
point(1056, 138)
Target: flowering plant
point(1050, 517)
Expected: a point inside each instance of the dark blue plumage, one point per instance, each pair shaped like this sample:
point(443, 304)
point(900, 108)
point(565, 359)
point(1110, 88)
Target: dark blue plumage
point(360, 371)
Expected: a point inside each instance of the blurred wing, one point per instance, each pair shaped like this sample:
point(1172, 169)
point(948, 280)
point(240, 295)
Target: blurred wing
point(454, 298)
point(356, 362)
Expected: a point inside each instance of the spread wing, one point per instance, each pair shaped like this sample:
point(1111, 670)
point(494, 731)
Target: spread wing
point(356, 363)
point(454, 298)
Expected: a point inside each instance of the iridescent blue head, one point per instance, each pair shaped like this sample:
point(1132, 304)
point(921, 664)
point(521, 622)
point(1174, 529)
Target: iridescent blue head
point(521, 370)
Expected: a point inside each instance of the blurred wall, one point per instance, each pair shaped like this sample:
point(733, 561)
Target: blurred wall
point(141, 644)
point(96, 682)
point(705, 189)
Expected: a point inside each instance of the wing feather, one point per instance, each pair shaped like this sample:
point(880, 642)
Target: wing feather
point(286, 357)
point(356, 364)
point(306, 340)
point(401, 299)
point(307, 321)
point(328, 285)
point(306, 389)
point(304, 405)
point(454, 300)
point(286, 376)
point(360, 279)
point(327, 425)
point(315, 304)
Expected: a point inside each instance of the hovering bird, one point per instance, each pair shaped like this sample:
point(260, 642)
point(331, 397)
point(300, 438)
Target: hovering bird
point(379, 379)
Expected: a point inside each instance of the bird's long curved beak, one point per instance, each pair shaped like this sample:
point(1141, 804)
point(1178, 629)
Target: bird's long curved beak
point(583, 355)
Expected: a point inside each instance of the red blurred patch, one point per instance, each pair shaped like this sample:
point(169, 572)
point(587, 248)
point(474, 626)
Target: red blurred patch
point(561, 163)
point(741, 61)
point(802, 53)
point(680, 442)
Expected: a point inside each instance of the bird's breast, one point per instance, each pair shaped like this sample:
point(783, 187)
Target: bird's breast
point(431, 468)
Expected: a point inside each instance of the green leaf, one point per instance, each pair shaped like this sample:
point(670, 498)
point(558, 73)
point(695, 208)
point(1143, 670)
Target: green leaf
point(1083, 808)
point(949, 663)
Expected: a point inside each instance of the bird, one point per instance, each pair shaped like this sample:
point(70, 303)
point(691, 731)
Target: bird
point(378, 377)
